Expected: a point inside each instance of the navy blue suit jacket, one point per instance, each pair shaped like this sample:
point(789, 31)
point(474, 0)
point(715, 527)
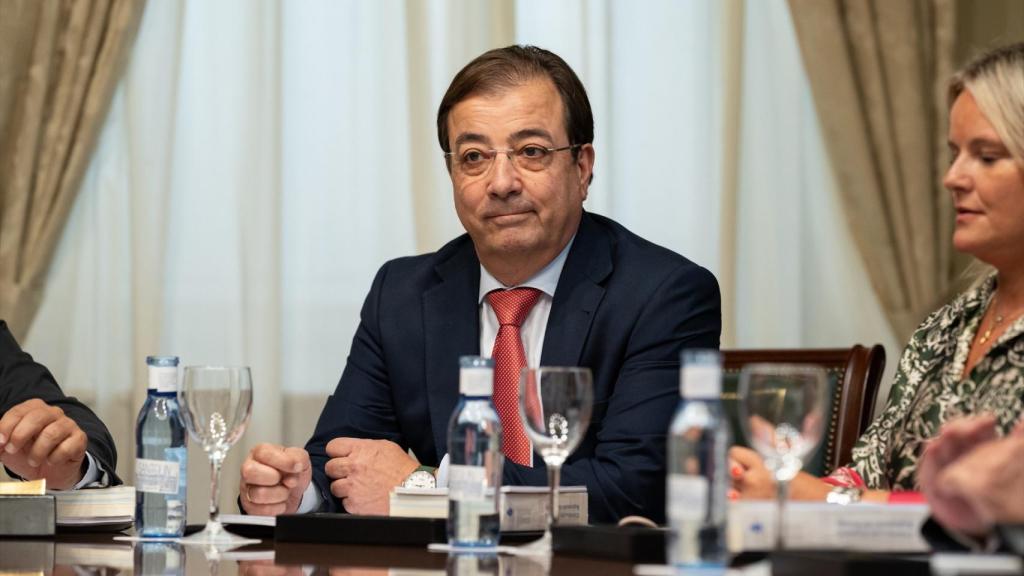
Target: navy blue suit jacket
point(623, 307)
point(22, 378)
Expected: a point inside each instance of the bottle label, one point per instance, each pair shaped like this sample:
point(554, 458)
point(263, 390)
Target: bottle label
point(476, 381)
point(687, 497)
point(156, 476)
point(467, 483)
point(701, 381)
point(163, 379)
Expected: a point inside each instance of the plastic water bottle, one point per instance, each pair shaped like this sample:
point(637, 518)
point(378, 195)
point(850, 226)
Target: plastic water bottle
point(158, 559)
point(698, 466)
point(475, 457)
point(160, 455)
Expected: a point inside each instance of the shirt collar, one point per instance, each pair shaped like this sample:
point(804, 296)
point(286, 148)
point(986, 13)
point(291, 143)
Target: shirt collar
point(546, 280)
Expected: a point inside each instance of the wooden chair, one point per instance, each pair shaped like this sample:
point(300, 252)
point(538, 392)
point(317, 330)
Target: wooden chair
point(854, 377)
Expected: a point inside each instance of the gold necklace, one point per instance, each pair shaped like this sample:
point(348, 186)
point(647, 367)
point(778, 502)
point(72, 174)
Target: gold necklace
point(998, 319)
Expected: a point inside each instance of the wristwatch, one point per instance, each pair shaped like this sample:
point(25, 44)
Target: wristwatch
point(844, 495)
point(422, 477)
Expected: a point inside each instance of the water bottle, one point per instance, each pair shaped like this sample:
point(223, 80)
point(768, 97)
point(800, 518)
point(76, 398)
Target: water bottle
point(698, 466)
point(160, 455)
point(158, 559)
point(475, 458)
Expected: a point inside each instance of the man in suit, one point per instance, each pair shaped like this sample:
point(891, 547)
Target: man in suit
point(45, 434)
point(535, 281)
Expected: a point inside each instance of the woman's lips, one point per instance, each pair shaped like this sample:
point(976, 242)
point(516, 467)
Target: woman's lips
point(965, 215)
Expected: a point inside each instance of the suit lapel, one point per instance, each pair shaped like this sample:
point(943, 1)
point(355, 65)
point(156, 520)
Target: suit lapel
point(452, 328)
point(577, 296)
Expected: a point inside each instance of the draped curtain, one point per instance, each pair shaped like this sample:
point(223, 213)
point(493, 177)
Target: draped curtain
point(262, 159)
point(878, 70)
point(60, 62)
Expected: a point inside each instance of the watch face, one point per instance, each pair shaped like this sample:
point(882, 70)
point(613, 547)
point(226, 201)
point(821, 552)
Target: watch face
point(420, 479)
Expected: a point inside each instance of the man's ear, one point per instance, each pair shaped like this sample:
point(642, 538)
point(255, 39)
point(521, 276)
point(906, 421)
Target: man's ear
point(585, 167)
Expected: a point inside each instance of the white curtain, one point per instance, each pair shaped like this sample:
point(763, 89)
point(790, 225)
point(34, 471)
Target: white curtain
point(263, 159)
point(800, 281)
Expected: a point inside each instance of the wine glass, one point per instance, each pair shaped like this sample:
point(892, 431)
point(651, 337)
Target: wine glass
point(782, 412)
point(215, 404)
point(554, 406)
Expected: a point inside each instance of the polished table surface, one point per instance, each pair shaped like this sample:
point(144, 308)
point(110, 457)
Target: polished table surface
point(99, 553)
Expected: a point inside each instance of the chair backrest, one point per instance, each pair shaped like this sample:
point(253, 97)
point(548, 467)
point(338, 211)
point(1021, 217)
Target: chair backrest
point(854, 376)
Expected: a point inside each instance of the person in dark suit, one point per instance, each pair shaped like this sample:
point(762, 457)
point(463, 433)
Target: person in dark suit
point(572, 288)
point(45, 434)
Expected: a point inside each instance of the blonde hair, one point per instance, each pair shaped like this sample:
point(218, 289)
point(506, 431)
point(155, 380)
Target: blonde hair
point(996, 80)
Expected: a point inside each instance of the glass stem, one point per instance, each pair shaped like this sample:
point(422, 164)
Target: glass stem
point(215, 466)
point(554, 477)
point(782, 489)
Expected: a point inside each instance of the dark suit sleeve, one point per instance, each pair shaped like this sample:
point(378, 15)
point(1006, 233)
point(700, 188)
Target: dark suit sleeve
point(625, 471)
point(362, 405)
point(21, 379)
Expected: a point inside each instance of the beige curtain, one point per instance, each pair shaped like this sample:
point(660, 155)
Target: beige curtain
point(878, 70)
point(59, 65)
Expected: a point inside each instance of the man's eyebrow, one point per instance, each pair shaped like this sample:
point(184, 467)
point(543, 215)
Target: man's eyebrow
point(470, 137)
point(531, 133)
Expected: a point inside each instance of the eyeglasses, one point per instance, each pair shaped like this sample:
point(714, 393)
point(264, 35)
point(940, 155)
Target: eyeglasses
point(529, 157)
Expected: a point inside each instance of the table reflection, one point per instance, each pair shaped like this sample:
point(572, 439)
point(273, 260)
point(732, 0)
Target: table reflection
point(100, 554)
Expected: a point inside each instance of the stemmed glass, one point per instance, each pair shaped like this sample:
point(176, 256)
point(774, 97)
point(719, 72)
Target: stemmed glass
point(782, 413)
point(555, 405)
point(215, 403)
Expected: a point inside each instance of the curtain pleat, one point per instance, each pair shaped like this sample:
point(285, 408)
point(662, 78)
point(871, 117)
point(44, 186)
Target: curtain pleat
point(878, 71)
point(60, 66)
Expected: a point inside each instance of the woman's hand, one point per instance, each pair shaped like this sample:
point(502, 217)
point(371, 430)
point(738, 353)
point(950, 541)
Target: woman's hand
point(753, 481)
point(750, 479)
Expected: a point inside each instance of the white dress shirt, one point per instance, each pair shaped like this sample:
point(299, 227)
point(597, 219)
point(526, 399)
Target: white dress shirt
point(532, 332)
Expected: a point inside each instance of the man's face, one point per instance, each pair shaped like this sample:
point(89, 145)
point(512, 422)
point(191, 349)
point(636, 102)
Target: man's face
point(508, 210)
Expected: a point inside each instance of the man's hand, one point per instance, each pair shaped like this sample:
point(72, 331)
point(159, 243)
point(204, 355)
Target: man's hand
point(267, 568)
point(952, 507)
point(981, 488)
point(365, 471)
point(40, 441)
point(273, 479)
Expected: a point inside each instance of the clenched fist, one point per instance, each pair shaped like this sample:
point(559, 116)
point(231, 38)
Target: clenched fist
point(273, 479)
point(39, 441)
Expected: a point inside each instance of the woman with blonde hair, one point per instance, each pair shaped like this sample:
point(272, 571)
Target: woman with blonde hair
point(967, 358)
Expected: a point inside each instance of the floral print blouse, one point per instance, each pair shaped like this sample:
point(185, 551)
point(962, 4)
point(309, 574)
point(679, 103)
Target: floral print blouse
point(929, 389)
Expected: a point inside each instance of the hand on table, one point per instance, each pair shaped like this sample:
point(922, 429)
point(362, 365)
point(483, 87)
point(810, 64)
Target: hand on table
point(363, 472)
point(751, 480)
point(39, 441)
point(274, 479)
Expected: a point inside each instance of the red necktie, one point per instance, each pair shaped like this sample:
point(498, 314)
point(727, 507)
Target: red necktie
point(511, 307)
